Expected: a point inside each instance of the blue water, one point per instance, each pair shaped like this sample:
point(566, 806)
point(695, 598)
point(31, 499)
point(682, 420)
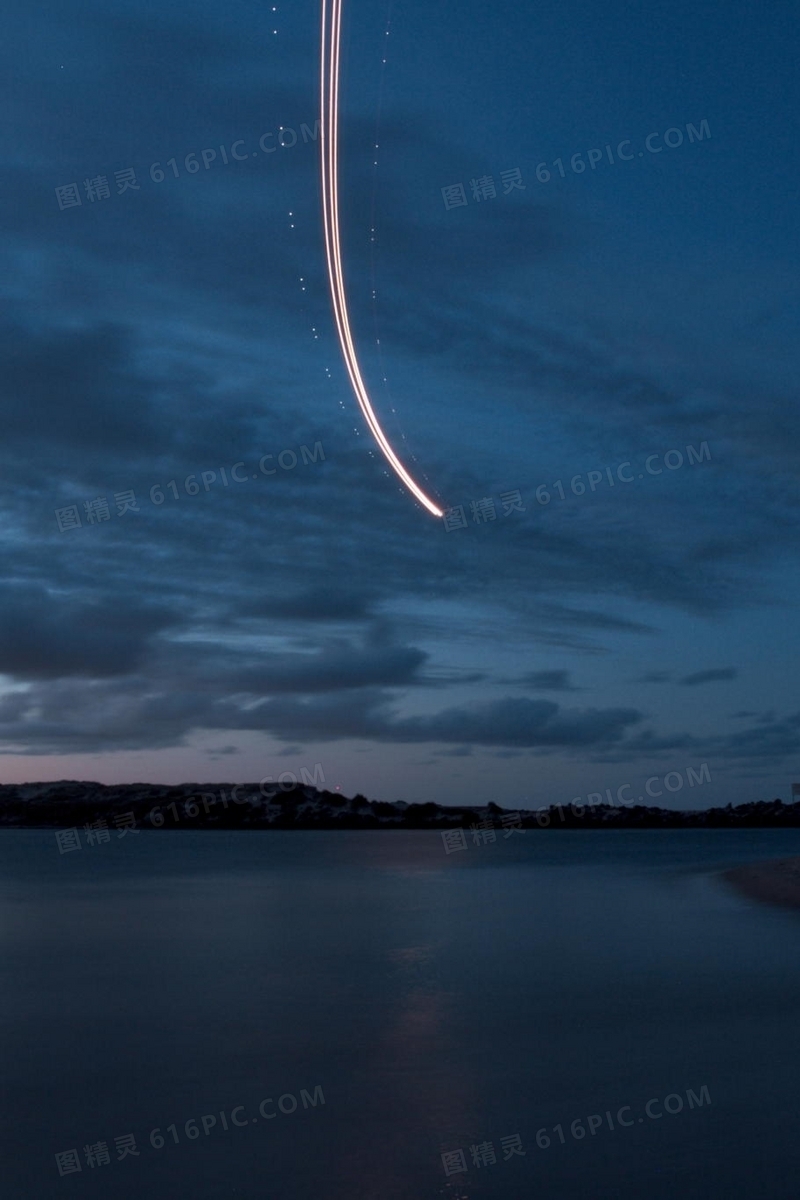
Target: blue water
point(439, 1001)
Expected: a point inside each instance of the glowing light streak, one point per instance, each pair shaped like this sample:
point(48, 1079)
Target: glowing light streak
point(329, 145)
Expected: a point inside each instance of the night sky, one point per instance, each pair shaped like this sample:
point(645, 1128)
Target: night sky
point(624, 335)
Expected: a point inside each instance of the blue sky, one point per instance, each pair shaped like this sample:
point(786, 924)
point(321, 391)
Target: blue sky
point(633, 308)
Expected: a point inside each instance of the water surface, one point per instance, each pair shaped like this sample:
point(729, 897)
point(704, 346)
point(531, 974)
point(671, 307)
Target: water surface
point(439, 1001)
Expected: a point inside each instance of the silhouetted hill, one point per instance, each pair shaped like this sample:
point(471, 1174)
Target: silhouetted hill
point(69, 803)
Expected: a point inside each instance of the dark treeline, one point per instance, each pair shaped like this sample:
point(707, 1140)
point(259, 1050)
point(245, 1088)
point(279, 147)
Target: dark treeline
point(69, 803)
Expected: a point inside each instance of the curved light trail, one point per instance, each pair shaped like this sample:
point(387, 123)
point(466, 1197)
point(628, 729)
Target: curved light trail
point(329, 144)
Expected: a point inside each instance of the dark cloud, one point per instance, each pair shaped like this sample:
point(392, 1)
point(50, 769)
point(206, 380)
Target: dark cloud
point(776, 739)
point(135, 714)
point(523, 722)
point(46, 635)
point(548, 681)
point(586, 618)
point(337, 665)
point(507, 722)
point(655, 677)
point(314, 604)
point(717, 675)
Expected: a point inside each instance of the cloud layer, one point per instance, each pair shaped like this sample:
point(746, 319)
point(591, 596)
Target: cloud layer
point(184, 327)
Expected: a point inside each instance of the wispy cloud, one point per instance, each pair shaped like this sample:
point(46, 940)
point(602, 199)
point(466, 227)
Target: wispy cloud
point(715, 675)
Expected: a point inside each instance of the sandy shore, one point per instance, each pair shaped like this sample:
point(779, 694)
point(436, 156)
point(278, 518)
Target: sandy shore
point(776, 881)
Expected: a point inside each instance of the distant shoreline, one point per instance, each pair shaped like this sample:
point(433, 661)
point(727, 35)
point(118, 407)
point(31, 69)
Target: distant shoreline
point(74, 803)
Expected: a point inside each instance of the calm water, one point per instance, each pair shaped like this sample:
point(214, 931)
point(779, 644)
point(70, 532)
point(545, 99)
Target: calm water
point(440, 1002)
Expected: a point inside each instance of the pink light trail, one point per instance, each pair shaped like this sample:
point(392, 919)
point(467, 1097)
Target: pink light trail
point(329, 145)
